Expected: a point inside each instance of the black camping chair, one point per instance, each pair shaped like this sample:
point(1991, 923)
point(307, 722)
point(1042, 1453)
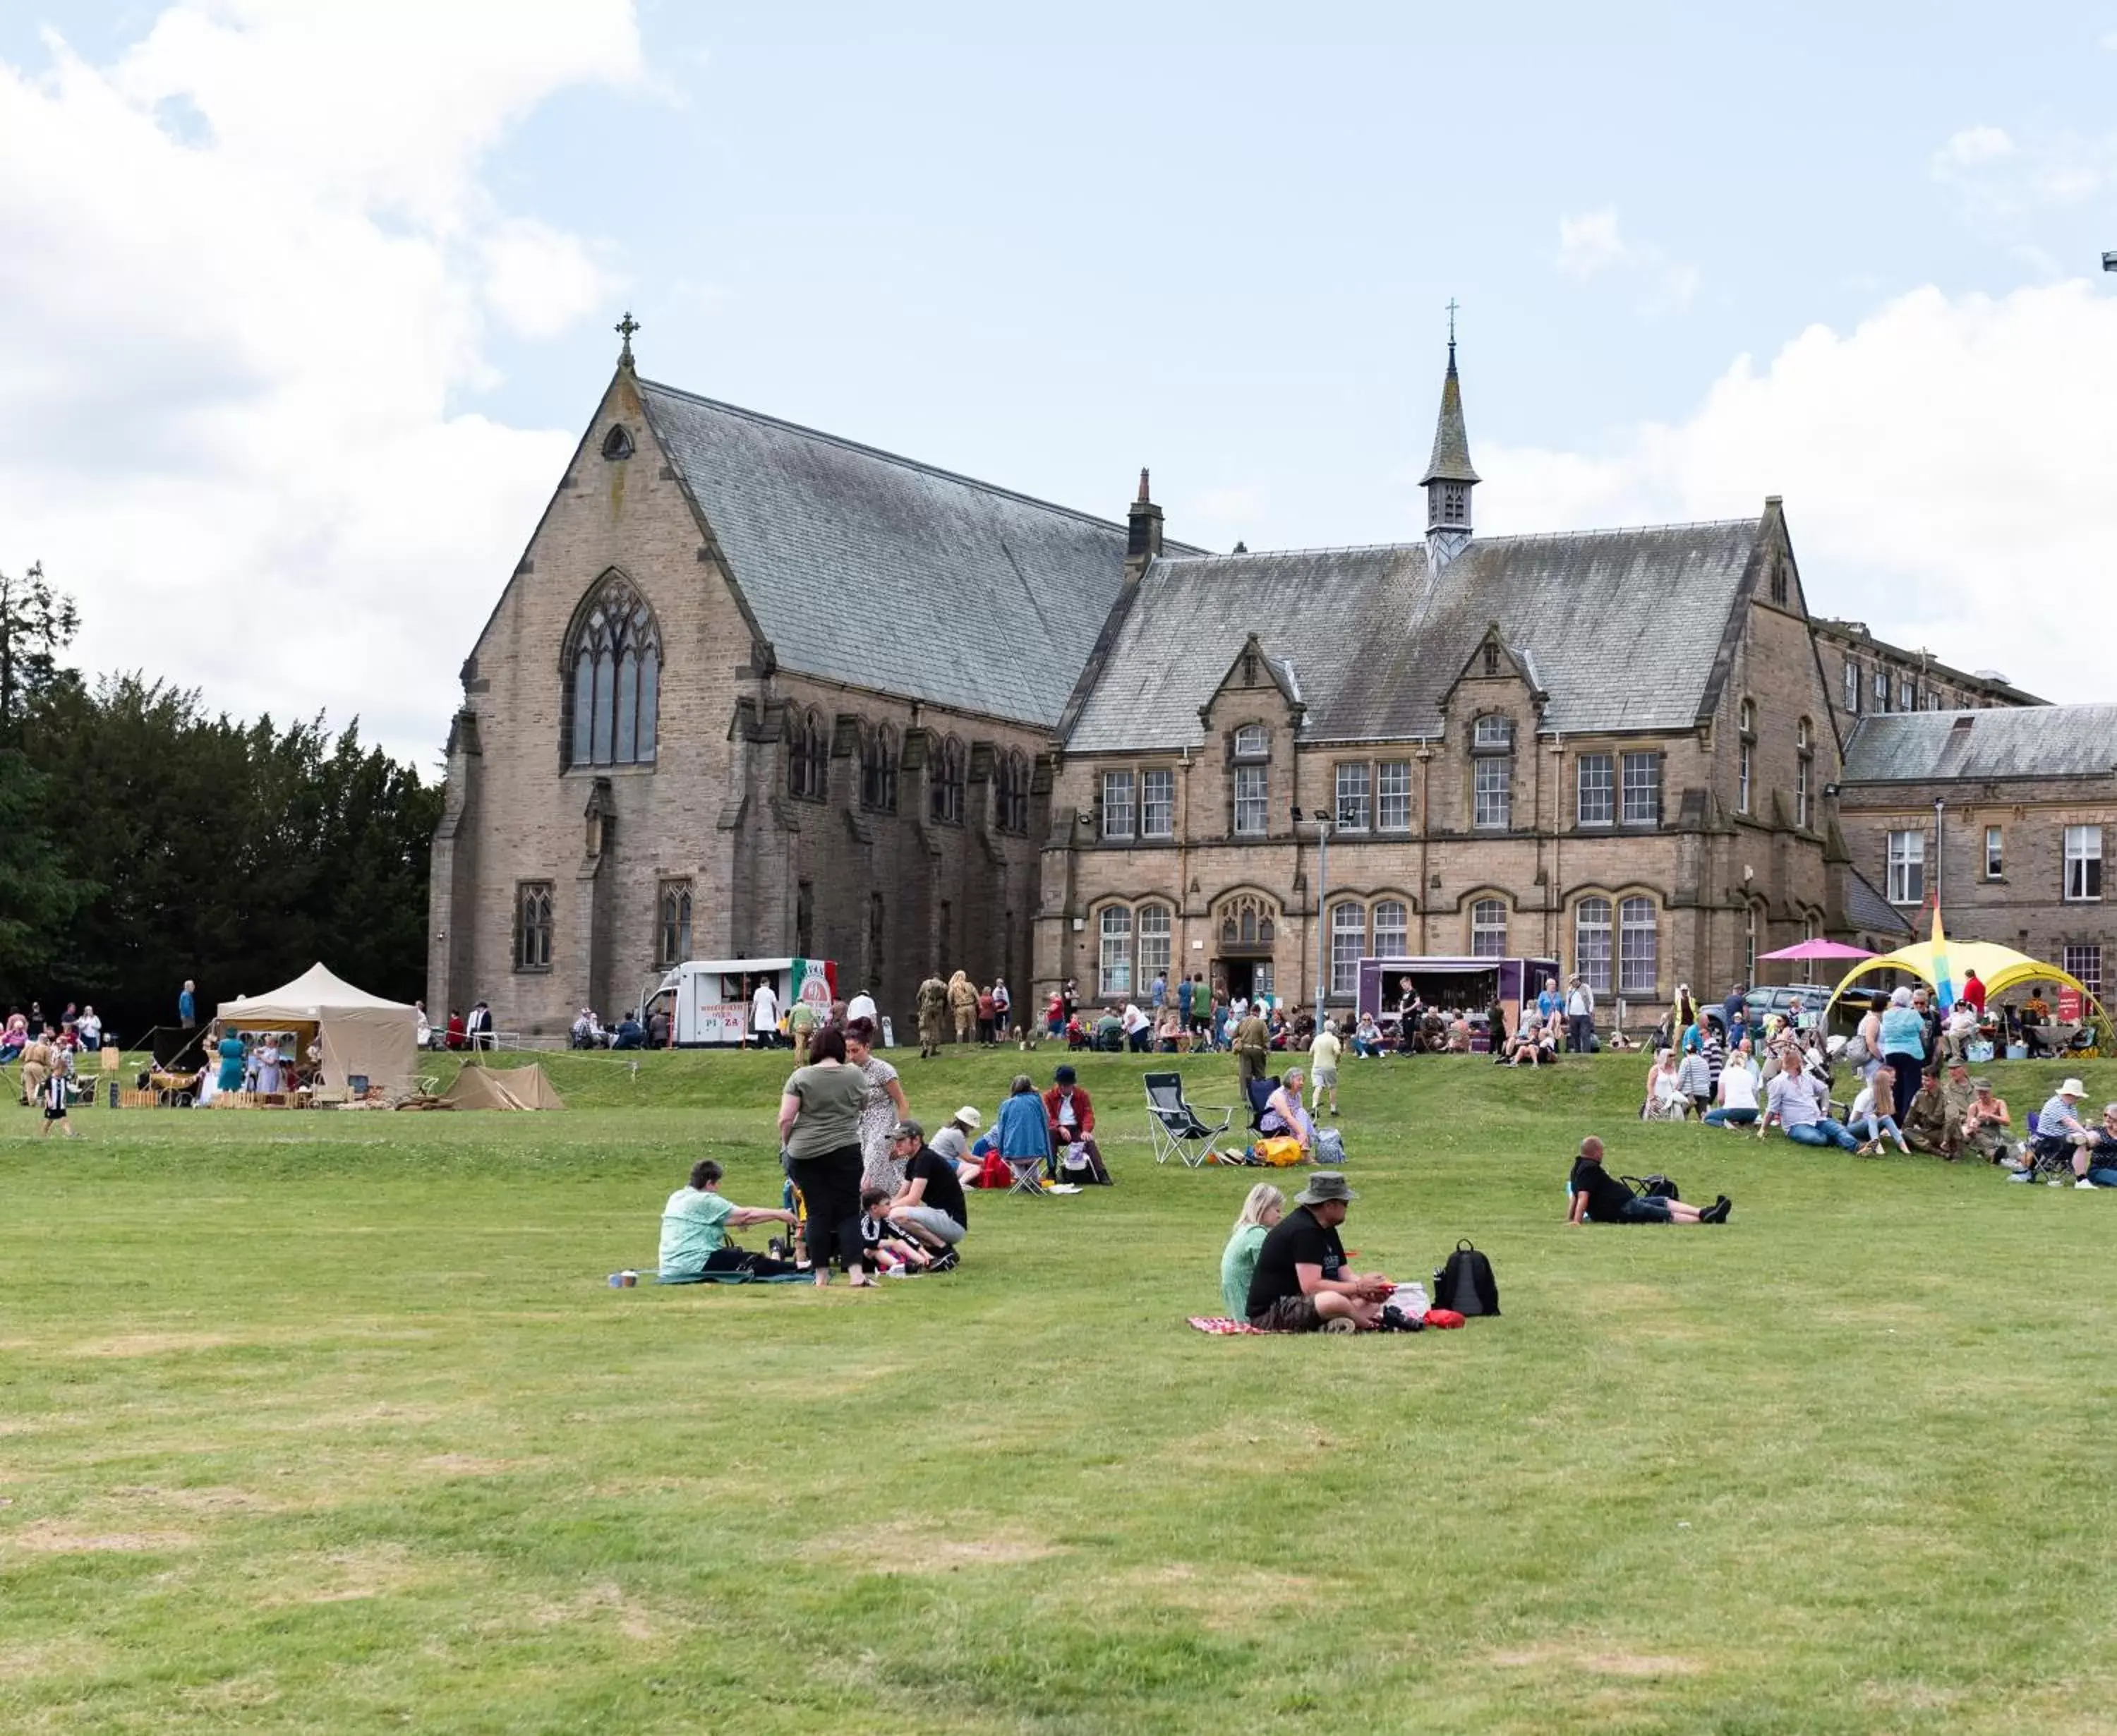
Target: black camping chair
point(1260, 1091)
point(1179, 1130)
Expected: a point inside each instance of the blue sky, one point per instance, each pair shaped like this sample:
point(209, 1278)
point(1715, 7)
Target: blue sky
point(1047, 247)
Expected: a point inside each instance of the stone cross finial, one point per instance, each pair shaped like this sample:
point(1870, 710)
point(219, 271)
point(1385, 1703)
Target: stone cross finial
point(624, 329)
point(1452, 305)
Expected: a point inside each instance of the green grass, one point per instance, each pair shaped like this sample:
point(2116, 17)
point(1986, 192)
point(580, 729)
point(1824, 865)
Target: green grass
point(329, 1423)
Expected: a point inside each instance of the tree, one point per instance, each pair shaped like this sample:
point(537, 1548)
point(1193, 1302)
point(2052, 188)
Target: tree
point(36, 894)
point(36, 624)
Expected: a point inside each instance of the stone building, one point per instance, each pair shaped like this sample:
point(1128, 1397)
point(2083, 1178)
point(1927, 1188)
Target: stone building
point(755, 690)
point(2004, 814)
point(1870, 677)
point(1610, 748)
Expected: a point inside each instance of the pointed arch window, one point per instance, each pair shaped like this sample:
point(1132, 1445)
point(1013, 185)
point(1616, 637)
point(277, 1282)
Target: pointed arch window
point(879, 770)
point(944, 801)
point(1012, 794)
point(613, 676)
point(617, 443)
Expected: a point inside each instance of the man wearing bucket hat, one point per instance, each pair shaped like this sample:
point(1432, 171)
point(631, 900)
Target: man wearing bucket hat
point(1301, 1283)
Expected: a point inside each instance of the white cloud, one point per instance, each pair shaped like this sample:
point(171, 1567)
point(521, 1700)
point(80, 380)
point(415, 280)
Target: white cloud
point(1974, 146)
point(2002, 179)
point(1946, 466)
point(248, 264)
point(1591, 245)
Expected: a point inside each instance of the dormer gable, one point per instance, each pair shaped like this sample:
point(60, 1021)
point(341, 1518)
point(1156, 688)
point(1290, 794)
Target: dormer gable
point(1258, 684)
point(1495, 675)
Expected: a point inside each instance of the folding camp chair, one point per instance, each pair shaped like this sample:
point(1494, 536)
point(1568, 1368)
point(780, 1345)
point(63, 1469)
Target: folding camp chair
point(1179, 1130)
point(1028, 1173)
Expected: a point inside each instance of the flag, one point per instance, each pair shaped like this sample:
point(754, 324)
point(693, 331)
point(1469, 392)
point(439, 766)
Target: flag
point(1943, 978)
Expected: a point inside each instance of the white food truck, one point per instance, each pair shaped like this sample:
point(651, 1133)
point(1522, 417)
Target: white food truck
point(708, 1000)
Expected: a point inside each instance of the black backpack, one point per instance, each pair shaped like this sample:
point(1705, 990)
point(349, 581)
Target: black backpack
point(1653, 1187)
point(1465, 1283)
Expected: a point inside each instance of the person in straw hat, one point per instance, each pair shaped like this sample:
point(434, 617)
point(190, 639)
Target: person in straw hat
point(953, 1142)
point(2059, 1130)
point(1301, 1283)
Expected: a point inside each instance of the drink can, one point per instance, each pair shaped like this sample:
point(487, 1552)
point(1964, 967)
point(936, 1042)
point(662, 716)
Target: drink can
point(629, 1278)
point(617, 1280)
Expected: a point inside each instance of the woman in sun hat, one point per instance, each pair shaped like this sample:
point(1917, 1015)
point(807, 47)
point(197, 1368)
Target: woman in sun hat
point(953, 1142)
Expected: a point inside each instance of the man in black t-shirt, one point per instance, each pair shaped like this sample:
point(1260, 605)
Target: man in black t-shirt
point(1301, 1284)
point(1595, 1193)
point(929, 1207)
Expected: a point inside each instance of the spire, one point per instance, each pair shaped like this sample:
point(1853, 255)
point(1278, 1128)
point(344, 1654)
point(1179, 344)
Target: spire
point(1449, 475)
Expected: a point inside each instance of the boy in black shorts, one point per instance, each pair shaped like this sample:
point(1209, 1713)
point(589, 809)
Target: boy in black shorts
point(1595, 1191)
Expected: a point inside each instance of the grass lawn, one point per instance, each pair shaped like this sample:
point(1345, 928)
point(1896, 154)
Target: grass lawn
point(329, 1423)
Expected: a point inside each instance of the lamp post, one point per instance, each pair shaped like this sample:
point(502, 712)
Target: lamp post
point(1323, 824)
point(1940, 807)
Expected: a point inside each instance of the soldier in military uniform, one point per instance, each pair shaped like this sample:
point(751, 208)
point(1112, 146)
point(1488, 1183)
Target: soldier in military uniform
point(933, 1017)
point(1929, 1126)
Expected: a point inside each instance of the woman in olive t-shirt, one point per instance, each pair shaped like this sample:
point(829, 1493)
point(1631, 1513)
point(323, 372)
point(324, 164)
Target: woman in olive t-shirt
point(819, 1117)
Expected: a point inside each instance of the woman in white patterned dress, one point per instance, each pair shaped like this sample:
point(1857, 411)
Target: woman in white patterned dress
point(884, 1109)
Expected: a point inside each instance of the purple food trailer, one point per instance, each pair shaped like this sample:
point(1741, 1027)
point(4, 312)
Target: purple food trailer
point(1471, 984)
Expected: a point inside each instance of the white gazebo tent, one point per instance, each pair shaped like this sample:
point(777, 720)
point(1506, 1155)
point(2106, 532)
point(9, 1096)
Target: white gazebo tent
point(361, 1035)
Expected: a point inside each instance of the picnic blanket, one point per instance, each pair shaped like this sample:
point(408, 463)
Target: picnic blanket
point(1220, 1327)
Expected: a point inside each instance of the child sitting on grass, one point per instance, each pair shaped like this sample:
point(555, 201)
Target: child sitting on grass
point(886, 1252)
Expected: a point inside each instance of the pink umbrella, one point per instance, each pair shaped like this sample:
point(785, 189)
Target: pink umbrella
point(1817, 949)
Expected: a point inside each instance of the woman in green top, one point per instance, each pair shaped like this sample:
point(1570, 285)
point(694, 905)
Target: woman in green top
point(819, 1117)
point(1259, 1211)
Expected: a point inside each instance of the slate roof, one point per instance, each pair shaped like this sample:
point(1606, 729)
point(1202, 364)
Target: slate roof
point(1623, 629)
point(872, 570)
point(1450, 461)
point(2004, 742)
point(1868, 910)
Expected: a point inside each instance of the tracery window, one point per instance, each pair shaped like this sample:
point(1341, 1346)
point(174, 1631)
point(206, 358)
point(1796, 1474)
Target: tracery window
point(879, 770)
point(1013, 794)
point(1248, 922)
point(614, 678)
point(945, 800)
point(533, 926)
point(675, 922)
point(808, 757)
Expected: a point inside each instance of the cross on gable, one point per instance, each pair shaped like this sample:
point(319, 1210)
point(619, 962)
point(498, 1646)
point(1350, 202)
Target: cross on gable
point(624, 329)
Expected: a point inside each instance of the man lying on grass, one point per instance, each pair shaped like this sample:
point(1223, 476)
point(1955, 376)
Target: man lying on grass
point(1596, 1193)
point(1301, 1284)
point(694, 1227)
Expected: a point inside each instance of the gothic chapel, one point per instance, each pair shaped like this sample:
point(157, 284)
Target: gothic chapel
point(755, 690)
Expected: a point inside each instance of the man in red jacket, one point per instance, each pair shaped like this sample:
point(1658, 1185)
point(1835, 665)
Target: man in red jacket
point(1072, 1119)
point(1973, 991)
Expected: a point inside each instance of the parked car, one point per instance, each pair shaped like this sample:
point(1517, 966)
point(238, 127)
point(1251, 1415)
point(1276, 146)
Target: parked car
point(1761, 1004)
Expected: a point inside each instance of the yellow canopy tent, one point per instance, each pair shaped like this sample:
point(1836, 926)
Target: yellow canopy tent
point(1940, 959)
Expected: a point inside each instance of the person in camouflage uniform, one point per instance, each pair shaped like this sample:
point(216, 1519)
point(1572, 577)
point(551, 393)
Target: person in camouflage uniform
point(1930, 1127)
point(933, 1017)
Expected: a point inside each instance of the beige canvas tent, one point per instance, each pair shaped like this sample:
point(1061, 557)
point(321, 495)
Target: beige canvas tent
point(515, 1087)
point(361, 1035)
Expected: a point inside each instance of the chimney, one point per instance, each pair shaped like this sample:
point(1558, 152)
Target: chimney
point(1142, 531)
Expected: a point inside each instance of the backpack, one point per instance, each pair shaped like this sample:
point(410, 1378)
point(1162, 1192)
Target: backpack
point(1652, 1187)
point(1465, 1283)
point(1329, 1148)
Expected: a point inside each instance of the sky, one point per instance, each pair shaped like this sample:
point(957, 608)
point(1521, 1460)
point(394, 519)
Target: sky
point(304, 304)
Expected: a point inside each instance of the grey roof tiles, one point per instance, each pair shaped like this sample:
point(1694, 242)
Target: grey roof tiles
point(2004, 742)
point(1623, 628)
point(872, 570)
